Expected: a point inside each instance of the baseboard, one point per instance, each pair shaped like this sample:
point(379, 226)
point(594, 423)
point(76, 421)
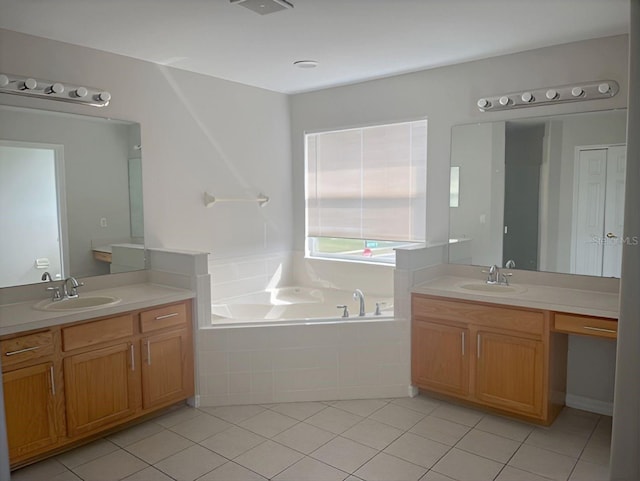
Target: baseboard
point(588, 404)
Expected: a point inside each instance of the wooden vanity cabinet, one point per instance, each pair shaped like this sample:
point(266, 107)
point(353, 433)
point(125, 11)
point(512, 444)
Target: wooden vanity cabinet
point(72, 382)
point(484, 354)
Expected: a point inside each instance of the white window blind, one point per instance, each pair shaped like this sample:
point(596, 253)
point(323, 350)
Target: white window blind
point(368, 183)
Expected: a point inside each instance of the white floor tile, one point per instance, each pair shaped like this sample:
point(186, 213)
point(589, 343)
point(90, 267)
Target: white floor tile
point(440, 430)
point(135, 433)
point(542, 462)
point(200, 427)
point(585, 471)
point(148, 474)
point(87, 453)
point(299, 411)
point(597, 450)
point(458, 414)
point(417, 450)
point(344, 454)
point(509, 473)
point(361, 407)
point(397, 416)
point(576, 421)
point(234, 414)
point(422, 404)
point(176, 416)
point(563, 442)
point(268, 459)
point(488, 445)
point(66, 476)
point(309, 469)
point(507, 428)
point(373, 434)
point(159, 446)
point(231, 472)
point(37, 472)
point(433, 476)
point(385, 467)
point(191, 463)
point(304, 437)
point(112, 467)
point(232, 442)
point(268, 423)
point(334, 420)
point(464, 466)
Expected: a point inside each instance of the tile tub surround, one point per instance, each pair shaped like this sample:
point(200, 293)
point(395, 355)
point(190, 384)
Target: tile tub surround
point(375, 439)
point(265, 364)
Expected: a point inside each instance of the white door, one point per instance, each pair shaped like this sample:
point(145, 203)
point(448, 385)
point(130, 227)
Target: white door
point(28, 190)
point(599, 203)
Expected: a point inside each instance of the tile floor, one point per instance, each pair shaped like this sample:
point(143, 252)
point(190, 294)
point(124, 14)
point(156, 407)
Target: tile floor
point(378, 439)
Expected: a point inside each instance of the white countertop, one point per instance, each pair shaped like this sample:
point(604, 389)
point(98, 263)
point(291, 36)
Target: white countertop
point(553, 298)
point(23, 316)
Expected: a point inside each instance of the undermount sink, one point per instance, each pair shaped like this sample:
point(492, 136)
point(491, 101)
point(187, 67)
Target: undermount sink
point(78, 303)
point(490, 288)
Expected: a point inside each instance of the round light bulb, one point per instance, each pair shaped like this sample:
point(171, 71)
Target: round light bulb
point(551, 94)
point(103, 96)
point(604, 88)
point(56, 88)
point(81, 92)
point(4, 80)
point(527, 97)
point(577, 91)
point(504, 101)
point(484, 104)
point(29, 84)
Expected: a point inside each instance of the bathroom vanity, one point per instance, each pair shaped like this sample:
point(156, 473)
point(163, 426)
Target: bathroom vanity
point(506, 352)
point(70, 376)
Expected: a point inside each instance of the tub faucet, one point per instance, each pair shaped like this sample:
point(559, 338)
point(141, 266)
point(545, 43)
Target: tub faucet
point(357, 294)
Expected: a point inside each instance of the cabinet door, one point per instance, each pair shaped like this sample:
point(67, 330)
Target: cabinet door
point(439, 357)
point(167, 368)
point(101, 387)
point(509, 372)
point(30, 409)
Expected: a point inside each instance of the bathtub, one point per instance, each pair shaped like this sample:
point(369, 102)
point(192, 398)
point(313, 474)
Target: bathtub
point(292, 305)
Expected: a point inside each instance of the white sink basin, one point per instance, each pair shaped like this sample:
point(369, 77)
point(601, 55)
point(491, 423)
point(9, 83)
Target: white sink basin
point(77, 304)
point(491, 288)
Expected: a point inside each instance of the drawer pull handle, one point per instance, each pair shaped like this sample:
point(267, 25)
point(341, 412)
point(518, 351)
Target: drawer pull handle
point(53, 382)
point(599, 329)
point(133, 358)
point(166, 316)
point(20, 351)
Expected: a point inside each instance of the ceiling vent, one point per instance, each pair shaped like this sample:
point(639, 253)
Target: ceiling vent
point(264, 7)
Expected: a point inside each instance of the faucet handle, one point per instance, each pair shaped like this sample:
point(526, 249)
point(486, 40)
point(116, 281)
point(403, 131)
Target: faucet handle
point(345, 312)
point(55, 296)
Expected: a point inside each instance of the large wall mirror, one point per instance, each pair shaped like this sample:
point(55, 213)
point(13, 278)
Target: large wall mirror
point(70, 196)
point(543, 193)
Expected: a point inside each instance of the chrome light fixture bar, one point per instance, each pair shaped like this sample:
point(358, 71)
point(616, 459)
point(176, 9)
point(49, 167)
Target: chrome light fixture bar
point(602, 89)
point(46, 89)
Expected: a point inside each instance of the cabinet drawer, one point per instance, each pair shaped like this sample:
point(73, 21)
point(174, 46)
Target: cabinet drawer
point(588, 326)
point(163, 317)
point(97, 332)
point(531, 322)
point(24, 348)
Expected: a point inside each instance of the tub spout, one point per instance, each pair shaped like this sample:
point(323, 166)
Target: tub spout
point(357, 294)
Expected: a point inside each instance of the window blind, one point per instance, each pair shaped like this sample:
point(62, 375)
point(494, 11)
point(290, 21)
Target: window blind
point(368, 183)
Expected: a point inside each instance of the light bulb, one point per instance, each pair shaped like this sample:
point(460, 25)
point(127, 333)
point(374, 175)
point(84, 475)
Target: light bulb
point(29, 84)
point(504, 101)
point(484, 104)
point(103, 96)
point(4, 80)
point(577, 91)
point(527, 97)
point(604, 88)
point(56, 88)
point(551, 94)
point(81, 92)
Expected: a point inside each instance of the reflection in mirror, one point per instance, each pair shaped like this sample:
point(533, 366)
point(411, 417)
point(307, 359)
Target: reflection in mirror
point(544, 193)
point(70, 196)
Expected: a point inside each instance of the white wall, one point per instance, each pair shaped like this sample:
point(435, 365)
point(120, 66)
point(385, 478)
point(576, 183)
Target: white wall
point(198, 133)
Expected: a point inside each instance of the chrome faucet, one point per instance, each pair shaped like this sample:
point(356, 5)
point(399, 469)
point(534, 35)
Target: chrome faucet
point(46, 276)
point(496, 277)
point(357, 294)
point(73, 292)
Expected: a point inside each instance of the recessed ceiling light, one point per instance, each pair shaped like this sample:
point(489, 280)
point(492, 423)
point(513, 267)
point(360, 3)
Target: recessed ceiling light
point(264, 7)
point(306, 63)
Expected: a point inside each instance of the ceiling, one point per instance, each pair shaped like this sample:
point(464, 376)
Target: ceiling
point(353, 40)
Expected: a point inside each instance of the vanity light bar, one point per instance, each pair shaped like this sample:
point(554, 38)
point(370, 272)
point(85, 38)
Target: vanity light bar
point(46, 89)
point(602, 89)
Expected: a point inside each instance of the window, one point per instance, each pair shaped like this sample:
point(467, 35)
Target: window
point(366, 191)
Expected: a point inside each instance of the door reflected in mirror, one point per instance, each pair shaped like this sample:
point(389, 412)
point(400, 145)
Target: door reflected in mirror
point(70, 196)
point(542, 193)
